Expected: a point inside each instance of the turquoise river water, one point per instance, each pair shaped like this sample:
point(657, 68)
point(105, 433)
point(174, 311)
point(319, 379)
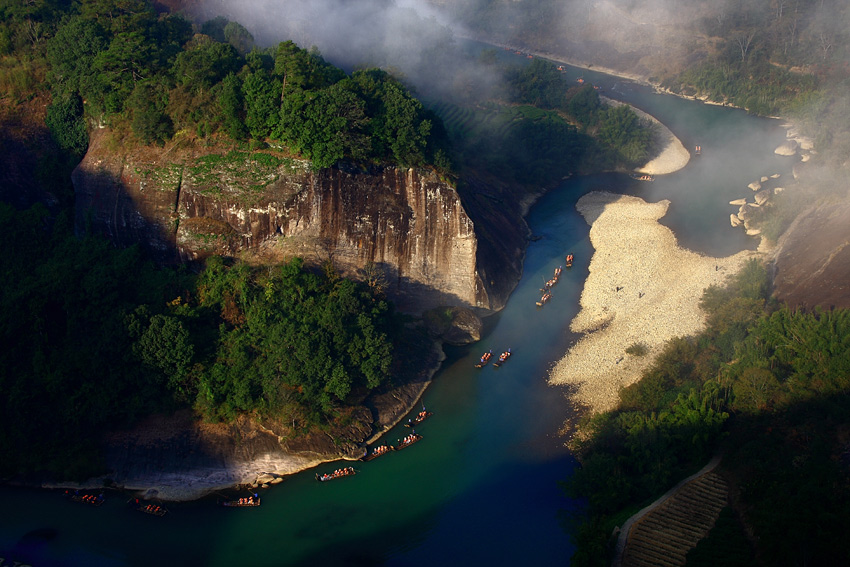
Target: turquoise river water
point(482, 487)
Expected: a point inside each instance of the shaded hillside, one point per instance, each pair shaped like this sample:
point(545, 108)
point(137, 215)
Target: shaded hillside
point(813, 258)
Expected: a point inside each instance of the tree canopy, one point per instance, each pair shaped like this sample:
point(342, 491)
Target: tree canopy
point(102, 338)
point(131, 65)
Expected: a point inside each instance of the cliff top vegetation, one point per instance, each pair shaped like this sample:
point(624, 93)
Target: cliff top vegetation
point(158, 76)
point(779, 57)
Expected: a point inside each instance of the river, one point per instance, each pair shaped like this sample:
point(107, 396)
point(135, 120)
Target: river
point(482, 487)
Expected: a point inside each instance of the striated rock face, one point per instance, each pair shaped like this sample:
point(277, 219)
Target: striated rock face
point(406, 227)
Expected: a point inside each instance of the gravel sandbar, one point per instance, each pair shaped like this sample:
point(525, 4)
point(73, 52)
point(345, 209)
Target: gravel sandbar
point(642, 288)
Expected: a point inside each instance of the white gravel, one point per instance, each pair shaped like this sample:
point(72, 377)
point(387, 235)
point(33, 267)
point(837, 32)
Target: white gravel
point(660, 288)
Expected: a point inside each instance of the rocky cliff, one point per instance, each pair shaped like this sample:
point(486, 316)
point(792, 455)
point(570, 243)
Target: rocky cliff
point(812, 260)
point(405, 227)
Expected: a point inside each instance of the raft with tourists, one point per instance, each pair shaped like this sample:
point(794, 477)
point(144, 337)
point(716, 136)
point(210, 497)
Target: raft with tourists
point(408, 441)
point(149, 508)
point(485, 358)
point(569, 260)
point(338, 473)
point(85, 497)
point(245, 502)
point(377, 452)
point(543, 300)
point(502, 358)
point(642, 176)
point(420, 417)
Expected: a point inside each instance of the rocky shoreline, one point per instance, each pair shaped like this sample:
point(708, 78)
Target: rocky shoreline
point(177, 458)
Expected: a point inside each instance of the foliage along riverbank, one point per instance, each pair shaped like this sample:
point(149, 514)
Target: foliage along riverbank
point(763, 386)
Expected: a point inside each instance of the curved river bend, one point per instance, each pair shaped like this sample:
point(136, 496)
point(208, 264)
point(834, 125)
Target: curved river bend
point(481, 488)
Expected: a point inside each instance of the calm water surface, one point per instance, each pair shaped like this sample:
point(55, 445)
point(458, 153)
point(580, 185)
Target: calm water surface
point(482, 487)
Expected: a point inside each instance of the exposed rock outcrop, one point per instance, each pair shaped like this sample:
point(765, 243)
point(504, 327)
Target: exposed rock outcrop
point(812, 258)
point(454, 325)
point(787, 148)
point(763, 196)
point(406, 227)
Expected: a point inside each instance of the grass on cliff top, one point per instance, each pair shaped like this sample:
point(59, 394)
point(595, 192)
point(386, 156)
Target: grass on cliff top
point(245, 174)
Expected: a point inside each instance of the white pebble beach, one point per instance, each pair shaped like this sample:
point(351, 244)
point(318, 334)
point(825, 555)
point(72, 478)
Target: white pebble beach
point(642, 288)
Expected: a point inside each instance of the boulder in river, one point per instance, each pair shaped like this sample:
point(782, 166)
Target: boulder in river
point(738, 202)
point(762, 196)
point(745, 212)
point(786, 148)
point(734, 220)
point(755, 185)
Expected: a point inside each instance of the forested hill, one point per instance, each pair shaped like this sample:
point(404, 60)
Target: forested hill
point(125, 65)
point(99, 338)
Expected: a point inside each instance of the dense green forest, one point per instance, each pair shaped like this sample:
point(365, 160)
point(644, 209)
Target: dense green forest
point(621, 137)
point(123, 64)
point(103, 337)
point(766, 388)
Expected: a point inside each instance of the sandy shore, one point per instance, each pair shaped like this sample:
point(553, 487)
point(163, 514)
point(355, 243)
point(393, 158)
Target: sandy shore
point(660, 285)
point(673, 156)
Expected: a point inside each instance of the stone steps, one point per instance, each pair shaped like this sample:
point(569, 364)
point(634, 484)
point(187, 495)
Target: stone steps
point(663, 536)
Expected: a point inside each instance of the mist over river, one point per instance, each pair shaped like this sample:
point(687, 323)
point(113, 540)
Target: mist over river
point(482, 487)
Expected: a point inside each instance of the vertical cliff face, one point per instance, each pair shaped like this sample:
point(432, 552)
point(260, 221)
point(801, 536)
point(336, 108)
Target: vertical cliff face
point(406, 227)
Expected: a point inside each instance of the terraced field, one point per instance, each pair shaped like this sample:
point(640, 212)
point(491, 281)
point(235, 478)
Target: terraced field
point(664, 535)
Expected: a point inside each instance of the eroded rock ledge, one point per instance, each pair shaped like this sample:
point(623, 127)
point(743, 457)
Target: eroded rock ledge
point(408, 225)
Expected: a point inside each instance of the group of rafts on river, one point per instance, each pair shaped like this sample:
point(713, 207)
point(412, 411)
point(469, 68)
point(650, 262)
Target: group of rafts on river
point(413, 437)
point(97, 499)
point(254, 499)
point(547, 287)
point(380, 450)
point(547, 295)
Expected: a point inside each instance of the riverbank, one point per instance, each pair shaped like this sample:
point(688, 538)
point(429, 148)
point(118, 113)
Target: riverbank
point(672, 156)
point(643, 289)
point(178, 458)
